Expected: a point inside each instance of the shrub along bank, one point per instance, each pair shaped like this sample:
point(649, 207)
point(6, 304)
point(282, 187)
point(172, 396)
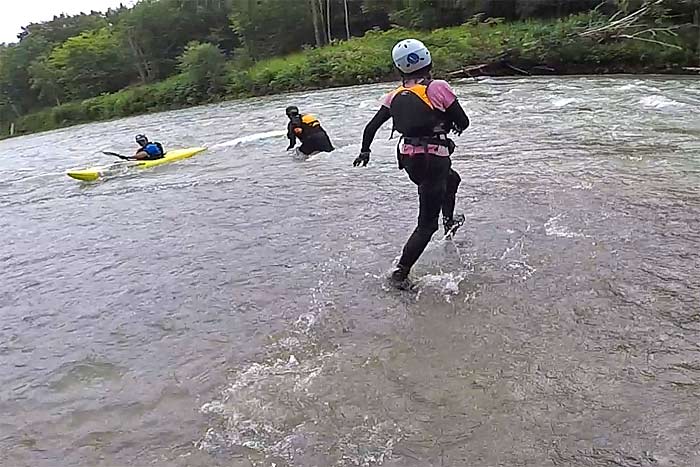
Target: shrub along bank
point(206, 76)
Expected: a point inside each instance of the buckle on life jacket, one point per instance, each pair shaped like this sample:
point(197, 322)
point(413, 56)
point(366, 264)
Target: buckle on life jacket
point(437, 140)
point(440, 139)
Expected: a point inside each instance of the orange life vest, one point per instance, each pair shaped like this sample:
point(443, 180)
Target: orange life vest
point(414, 115)
point(308, 124)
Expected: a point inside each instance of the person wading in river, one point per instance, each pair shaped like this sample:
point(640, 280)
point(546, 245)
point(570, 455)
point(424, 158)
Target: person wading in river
point(424, 111)
point(309, 131)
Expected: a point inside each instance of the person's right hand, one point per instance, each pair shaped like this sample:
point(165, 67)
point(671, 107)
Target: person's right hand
point(362, 159)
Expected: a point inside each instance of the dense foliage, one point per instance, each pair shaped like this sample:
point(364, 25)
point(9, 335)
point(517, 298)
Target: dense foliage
point(164, 54)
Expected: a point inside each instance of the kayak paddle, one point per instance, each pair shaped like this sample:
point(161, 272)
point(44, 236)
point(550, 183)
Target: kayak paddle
point(126, 158)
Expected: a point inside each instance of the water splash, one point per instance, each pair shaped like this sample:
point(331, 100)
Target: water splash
point(446, 283)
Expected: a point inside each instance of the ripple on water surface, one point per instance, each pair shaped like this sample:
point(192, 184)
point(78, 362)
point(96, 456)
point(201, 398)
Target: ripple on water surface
point(232, 309)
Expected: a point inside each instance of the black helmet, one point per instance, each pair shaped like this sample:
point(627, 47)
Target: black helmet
point(292, 110)
point(142, 140)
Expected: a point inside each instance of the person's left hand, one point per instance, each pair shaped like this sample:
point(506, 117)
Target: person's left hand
point(362, 159)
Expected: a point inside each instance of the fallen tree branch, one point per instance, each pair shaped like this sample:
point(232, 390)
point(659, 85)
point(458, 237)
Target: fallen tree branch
point(498, 65)
point(645, 25)
point(634, 26)
point(644, 39)
point(468, 70)
point(623, 22)
point(516, 69)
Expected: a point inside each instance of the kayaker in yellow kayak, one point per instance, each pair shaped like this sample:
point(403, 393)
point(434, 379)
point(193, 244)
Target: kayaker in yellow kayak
point(148, 151)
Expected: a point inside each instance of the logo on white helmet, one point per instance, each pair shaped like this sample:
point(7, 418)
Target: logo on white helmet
point(412, 58)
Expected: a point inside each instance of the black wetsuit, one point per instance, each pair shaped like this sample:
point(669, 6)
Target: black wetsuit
point(437, 182)
point(309, 131)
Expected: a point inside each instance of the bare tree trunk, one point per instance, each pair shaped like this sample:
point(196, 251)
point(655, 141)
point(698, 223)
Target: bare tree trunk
point(319, 5)
point(140, 63)
point(697, 26)
point(314, 18)
point(347, 20)
point(328, 20)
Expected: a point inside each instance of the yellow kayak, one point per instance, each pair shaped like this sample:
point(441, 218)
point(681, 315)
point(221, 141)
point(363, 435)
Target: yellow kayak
point(93, 173)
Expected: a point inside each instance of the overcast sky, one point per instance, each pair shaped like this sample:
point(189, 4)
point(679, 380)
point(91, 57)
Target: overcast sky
point(18, 13)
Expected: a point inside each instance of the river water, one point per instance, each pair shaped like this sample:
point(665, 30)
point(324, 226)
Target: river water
point(232, 309)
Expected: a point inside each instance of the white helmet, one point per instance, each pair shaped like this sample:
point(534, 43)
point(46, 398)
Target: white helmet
point(410, 55)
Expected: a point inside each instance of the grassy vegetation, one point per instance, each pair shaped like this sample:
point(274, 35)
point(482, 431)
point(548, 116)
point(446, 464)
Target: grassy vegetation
point(367, 60)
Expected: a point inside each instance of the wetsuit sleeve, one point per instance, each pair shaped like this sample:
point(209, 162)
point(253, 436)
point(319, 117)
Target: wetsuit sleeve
point(381, 117)
point(290, 134)
point(457, 116)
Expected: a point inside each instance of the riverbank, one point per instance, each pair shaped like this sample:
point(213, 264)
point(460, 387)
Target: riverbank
point(490, 48)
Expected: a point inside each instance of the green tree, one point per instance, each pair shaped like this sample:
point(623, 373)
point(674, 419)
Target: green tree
point(429, 14)
point(36, 40)
point(63, 27)
point(205, 66)
point(45, 81)
point(272, 27)
point(156, 32)
point(90, 64)
point(15, 61)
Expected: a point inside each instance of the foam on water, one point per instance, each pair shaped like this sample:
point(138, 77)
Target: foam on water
point(553, 227)
point(563, 102)
point(250, 139)
point(265, 409)
point(273, 407)
point(661, 103)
